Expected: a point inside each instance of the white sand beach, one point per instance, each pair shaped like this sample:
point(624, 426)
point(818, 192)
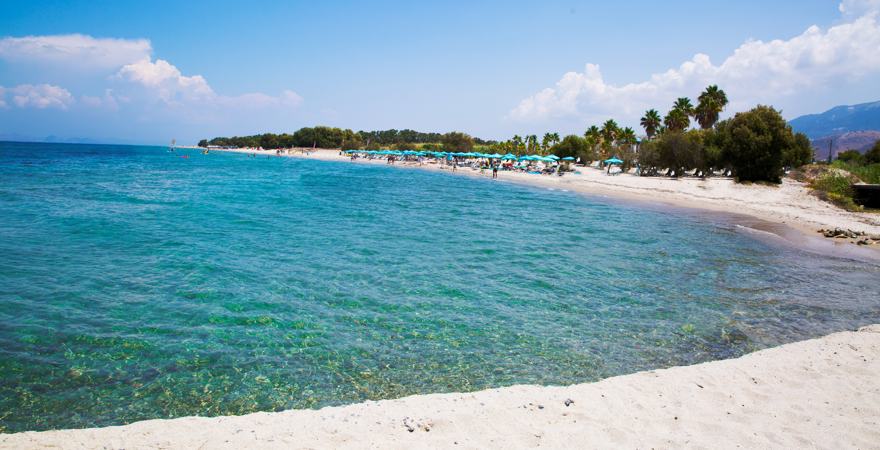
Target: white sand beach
point(820, 393)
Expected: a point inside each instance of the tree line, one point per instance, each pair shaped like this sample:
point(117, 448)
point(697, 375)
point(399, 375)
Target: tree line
point(331, 137)
point(755, 145)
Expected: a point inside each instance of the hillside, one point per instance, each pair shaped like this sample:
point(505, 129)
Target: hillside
point(852, 140)
point(838, 120)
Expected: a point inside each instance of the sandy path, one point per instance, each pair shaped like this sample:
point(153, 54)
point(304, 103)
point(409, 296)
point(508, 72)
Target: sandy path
point(821, 393)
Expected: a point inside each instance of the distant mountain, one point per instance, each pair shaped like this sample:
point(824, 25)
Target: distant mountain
point(851, 140)
point(838, 120)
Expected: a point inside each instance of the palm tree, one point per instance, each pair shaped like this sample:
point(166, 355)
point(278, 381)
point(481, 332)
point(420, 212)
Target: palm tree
point(711, 102)
point(651, 122)
point(517, 143)
point(676, 120)
point(684, 104)
point(627, 136)
point(546, 141)
point(608, 133)
point(554, 138)
point(531, 143)
point(609, 130)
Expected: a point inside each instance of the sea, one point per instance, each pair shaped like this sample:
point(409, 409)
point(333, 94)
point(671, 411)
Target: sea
point(140, 283)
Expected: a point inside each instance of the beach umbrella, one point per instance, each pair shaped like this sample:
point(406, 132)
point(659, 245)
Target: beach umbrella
point(613, 161)
point(495, 156)
point(568, 158)
point(509, 156)
point(553, 157)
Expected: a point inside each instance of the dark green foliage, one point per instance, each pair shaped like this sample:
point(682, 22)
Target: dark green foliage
point(680, 151)
point(873, 155)
point(799, 152)
point(574, 146)
point(331, 137)
point(457, 142)
point(850, 156)
point(754, 143)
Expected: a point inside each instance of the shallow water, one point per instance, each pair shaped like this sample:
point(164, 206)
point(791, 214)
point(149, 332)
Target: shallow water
point(137, 284)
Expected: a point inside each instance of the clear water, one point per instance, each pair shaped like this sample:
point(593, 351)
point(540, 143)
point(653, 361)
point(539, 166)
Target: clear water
point(137, 284)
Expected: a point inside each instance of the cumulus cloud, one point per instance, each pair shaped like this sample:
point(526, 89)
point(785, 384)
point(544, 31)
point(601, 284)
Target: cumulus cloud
point(166, 79)
point(854, 8)
point(756, 71)
point(174, 88)
point(40, 96)
point(128, 60)
point(75, 50)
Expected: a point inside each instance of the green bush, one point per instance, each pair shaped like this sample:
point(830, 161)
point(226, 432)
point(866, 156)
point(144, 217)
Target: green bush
point(850, 156)
point(836, 188)
point(868, 174)
point(873, 155)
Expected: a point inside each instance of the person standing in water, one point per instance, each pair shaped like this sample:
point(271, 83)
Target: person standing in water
point(494, 171)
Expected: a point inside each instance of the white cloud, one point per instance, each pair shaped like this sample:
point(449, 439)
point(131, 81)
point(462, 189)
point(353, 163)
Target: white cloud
point(287, 99)
point(855, 8)
point(756, 72)
point(167, 80)
point(40, 96)
point(129, 60)
point(75, 50)
point(108, 100)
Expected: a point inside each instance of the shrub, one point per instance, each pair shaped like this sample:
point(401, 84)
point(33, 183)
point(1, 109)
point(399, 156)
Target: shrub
point(574, 146)
point(754, 143)
point(799, 152)
point(457, 142)
point(836, 187)
point(850, 156)
point(873, 155)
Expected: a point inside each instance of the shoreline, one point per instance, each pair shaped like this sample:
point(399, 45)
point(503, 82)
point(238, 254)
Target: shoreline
point(786, 214)
point(820, 392)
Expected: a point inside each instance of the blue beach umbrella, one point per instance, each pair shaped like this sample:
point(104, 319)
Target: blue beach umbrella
point(553, 157)
point(613, 161)
point(509, 156)
point(568, 158)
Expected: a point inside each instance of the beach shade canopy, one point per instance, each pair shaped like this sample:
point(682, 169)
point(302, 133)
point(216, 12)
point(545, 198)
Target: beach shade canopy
point(553, 157)
point(509, 156)
point(613, 161)
point(494, 156)
point(568, 158)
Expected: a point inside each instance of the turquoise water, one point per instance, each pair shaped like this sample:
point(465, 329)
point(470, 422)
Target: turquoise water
point(137, 284)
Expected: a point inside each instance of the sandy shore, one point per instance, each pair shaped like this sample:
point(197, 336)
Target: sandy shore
point(821, 393)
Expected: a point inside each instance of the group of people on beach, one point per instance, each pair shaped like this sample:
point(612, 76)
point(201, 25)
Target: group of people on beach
point(454, 162)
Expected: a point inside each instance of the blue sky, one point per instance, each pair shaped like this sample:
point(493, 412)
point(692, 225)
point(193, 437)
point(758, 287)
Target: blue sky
point(149, 71)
